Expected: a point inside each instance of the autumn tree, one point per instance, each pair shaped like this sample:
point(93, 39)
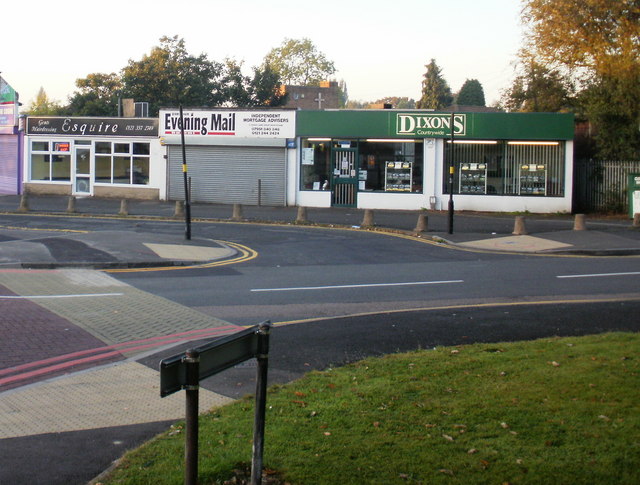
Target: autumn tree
point(43, 106)
point(97, 95)
point(471, 94)
point(436, 93)
point(595, 43)
point(298, 62)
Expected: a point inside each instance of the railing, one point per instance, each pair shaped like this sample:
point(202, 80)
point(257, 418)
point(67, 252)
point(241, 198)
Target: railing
point(601, 185)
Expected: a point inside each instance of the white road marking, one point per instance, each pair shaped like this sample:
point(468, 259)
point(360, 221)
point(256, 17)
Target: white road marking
point(596, 275)
point(35, 297)
point(301, 288)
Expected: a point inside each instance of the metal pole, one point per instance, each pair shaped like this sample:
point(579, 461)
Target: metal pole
point(192, 359)
point(451, 178)
point(261, 403)
point(187, 204)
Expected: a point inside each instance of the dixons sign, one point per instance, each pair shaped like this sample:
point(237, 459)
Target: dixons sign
point(430, 125)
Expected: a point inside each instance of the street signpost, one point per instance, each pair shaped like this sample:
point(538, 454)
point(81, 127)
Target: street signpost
point(186, 370)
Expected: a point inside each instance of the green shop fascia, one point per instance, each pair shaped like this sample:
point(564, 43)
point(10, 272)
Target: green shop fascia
point(394, 159)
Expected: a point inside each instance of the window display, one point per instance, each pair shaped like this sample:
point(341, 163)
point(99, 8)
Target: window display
point(473, 178)
point(398, 176)
point(533, 180)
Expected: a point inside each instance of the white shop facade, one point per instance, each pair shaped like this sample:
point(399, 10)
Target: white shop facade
point(232, 156)
point(91, 156)
point(391, 159)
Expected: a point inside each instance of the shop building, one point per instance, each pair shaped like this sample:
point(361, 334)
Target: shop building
point(10, 140)
point(232, 156)
point(394, 159)
point(103, 157)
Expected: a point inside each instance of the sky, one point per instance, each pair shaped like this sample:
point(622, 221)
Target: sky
point(379, 48)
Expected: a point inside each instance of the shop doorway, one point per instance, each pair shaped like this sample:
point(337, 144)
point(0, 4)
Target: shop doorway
point(82, 171)
point(344, 179)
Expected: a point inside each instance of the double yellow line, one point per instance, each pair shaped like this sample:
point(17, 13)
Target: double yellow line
point(245, 254)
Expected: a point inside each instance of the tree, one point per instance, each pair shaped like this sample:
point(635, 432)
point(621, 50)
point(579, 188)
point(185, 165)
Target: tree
point(538, 88)
point(596, 36)
point(97, 95)
point(471, 94)
point(396, 102)
point(594, 42)
point(263, 89)
point(298, 62)
point(612, 108)
point(43, 106)
point(170, 76)
point(436, 93)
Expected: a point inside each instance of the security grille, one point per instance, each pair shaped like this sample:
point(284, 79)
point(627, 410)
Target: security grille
point(230, 175)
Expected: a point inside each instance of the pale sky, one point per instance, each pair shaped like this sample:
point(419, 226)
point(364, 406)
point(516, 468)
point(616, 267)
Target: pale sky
point(380, 48)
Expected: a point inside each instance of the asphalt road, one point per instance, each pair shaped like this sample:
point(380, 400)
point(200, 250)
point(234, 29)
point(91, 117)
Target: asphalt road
point(301, 273)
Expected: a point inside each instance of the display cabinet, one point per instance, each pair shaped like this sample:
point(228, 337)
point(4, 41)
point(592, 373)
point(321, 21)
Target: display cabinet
point(398, 176)
point(533, 179)
point(473, 178)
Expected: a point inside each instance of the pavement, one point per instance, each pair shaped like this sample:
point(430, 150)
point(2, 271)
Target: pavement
point(550, 234)
point(81, 379)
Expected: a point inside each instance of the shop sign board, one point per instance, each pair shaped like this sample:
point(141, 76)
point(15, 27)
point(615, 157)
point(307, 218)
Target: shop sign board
point(92, 126)
point(8, 107)
point(223, 123)
point(430, 125)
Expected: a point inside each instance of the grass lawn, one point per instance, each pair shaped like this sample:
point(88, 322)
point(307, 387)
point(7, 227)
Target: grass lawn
point(551, 411)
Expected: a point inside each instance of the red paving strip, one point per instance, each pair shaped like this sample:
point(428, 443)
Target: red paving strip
point(29, 331)
point(103, 353)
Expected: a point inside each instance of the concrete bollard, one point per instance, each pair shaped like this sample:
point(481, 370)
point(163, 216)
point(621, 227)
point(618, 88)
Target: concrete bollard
point(302, 215)
point(179, 210)
point(367, 220)
point(579, 223)
point(71, 204)
point(636, 219)
point(124, 208)
point(519, 228)
point(237, 212)
point(422, 224)
point(24, 203)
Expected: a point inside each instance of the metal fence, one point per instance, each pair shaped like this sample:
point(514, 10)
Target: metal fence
point(601, 185)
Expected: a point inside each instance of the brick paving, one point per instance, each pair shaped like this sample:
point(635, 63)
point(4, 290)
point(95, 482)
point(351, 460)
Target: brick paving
point(31, 332)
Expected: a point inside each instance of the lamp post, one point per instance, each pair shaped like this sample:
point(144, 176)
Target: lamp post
point(451, 173)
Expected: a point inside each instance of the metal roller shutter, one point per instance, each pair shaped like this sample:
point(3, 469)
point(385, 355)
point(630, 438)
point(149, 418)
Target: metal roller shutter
point(8, 164)
point(229, 175)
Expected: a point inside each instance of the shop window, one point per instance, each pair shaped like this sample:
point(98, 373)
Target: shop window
point(391, 166)
point(103, 147)
point(122, 163)
point(505, 168)
point(50, 161)
point(140, 173)
point(384, 165)
point(103, 169)
point(315, 164)
point(121, 148)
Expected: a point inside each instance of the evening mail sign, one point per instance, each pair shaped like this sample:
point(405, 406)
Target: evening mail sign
point(430, 125)
point(224, 123)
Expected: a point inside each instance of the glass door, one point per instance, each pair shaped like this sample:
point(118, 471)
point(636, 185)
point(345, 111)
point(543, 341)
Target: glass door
point(82, 171)
point(344, 184)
